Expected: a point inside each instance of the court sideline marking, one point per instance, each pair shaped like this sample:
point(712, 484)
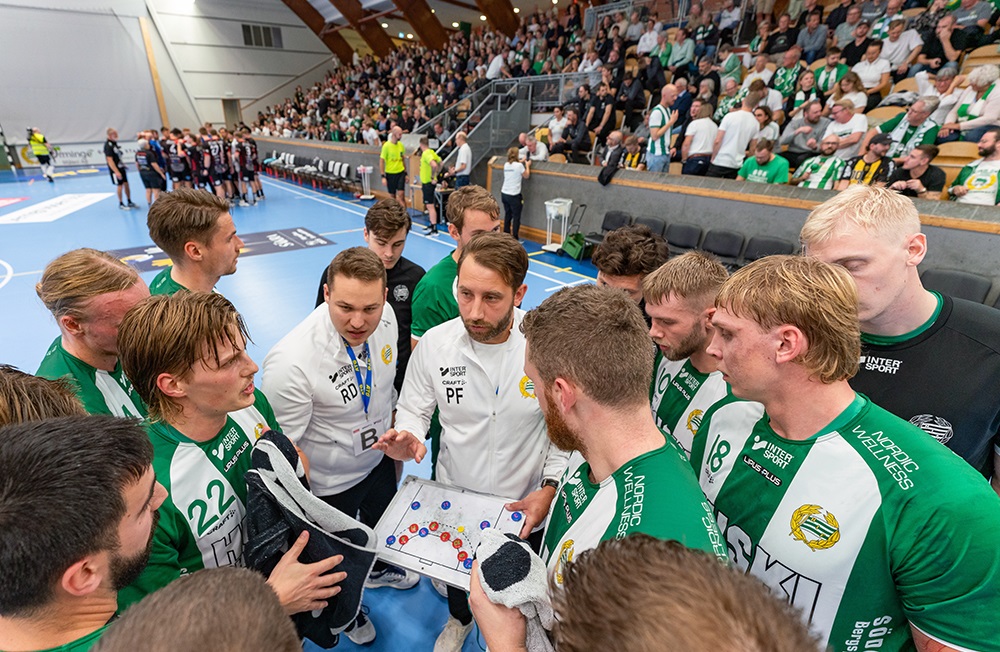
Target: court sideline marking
point(325, 199)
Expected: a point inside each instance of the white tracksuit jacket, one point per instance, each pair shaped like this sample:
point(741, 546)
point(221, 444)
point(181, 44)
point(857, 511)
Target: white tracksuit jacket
point(493, 436)
point(311, 385)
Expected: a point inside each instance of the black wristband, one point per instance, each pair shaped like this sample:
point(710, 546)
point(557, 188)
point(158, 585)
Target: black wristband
point(549, 482)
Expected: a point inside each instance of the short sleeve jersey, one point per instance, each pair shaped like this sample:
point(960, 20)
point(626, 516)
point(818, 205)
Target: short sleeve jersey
point(775, 171)
point(826, 78)
point(858, 170)
point(864, 527)
point(114, 152)
point(935, 379)
point(658, 117)
point(426, 172)
point(823, 172)
point(393, 154)
point(165, 284)
point(654, 493)
point(101, 392)
point(434, 299)
point(680, 395)
point(82, 644)
point(982, 179)
point(202, 520)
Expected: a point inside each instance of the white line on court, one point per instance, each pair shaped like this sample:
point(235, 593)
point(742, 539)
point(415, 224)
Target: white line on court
point(323, 199)
point(566, 285)
point(447, 243)
point(8, 273)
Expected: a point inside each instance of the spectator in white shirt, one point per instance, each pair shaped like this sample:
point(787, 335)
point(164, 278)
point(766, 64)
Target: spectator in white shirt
point(557, 123)
point(945, 87)
point(533, 150)
point(647, 41)
point(901, 48)
point(875, 73)
point(849, 127)
point(759, 71)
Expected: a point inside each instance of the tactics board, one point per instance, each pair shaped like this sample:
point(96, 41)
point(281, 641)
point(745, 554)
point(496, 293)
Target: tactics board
point(433, 529)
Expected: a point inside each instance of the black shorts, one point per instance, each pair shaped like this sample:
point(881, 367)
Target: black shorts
point(219, 177)
point(115, 180)
point(43, 159)
point(429, 198)
point(153, 181)
point(183, 175)
point(247, 175)
point(395, 182)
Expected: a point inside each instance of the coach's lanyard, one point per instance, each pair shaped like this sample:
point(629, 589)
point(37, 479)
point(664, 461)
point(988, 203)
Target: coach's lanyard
point(365, 387)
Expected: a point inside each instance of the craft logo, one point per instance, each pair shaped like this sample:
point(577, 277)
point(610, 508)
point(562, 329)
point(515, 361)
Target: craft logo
point(400, 293)
point(815, 527)
point(694, 420)
point(452, 372)
point(527, 387)
point(565, 557)
point(937, 427)
point(387, 354)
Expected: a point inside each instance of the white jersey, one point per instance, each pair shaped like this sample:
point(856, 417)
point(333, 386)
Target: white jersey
point(310, 380)
point(681, 395)
point(493, 436)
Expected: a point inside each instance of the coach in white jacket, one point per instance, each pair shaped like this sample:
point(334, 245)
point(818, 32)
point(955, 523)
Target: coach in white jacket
point(493, 436)
point(330, 382)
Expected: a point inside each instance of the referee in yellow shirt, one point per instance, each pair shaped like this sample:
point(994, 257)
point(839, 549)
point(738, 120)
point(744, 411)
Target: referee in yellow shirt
point(393, 165)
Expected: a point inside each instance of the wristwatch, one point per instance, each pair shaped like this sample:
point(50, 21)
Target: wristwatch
point(549, 482)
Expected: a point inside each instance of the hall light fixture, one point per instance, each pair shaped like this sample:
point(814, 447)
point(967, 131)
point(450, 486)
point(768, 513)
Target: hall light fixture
point(455, 25)
point(482, 17)
point(385, 25)
point(516, 10)
point(409, 36)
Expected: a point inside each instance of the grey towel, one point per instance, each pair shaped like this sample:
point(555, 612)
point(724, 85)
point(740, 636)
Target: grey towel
point(512, 574)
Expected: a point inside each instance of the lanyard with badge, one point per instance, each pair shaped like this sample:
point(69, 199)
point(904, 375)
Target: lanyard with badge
point(367, 434)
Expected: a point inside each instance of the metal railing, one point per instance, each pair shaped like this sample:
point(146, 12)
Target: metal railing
point(594, 15)
point(495, 123)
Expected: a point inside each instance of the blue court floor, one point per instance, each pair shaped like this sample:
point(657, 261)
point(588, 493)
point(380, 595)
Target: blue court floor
point(273, 291)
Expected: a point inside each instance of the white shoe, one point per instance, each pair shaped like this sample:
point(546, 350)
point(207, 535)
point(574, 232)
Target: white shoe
point(452, 637)
point(440, 587)
point(393, 577)
point(362, 632)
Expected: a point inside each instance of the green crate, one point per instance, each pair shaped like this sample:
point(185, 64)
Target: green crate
point(576, 247)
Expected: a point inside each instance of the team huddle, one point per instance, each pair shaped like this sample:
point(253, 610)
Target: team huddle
point(214, 159)
point(716, 427)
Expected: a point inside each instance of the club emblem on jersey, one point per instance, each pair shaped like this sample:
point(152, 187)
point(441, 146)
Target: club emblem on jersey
point(565, 557)
point(400, 293)
point(937, 427)
point(387, 354)
point(258, 430)
point(815, 527)
point(527, 388)
point(694, 421)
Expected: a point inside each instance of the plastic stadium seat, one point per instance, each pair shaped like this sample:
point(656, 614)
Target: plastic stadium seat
point(683, 237)
point(725, 245)
point(657, 225)
point(760, 246)
point(955, 283)
point(612, 220)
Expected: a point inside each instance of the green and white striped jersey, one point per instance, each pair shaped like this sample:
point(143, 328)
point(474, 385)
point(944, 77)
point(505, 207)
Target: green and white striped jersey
point(824, 172)
point(101, 392)
point(867, 527)
point(201, 521)
point(680, 396)
point(654, 493)
point(658, 117)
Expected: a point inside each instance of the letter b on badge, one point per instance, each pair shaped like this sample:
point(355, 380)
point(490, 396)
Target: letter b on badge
point(364, 438)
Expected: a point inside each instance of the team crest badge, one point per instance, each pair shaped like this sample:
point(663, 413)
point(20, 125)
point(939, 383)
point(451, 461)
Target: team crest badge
point(565, 557)
point(694, 421)
point(527, 387)
point(815, 527)
point(258, 430)
point(387, 353)
point(400, 293)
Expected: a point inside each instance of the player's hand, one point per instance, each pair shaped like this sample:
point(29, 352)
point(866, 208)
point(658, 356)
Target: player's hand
point(535, 507)
point(504, 628)
point(959, 191)
point(305, 587)
point(401, 445)
point(118, 175)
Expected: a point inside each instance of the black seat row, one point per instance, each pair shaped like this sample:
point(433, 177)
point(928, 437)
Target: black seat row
point(732, 248)
point(320, 173)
